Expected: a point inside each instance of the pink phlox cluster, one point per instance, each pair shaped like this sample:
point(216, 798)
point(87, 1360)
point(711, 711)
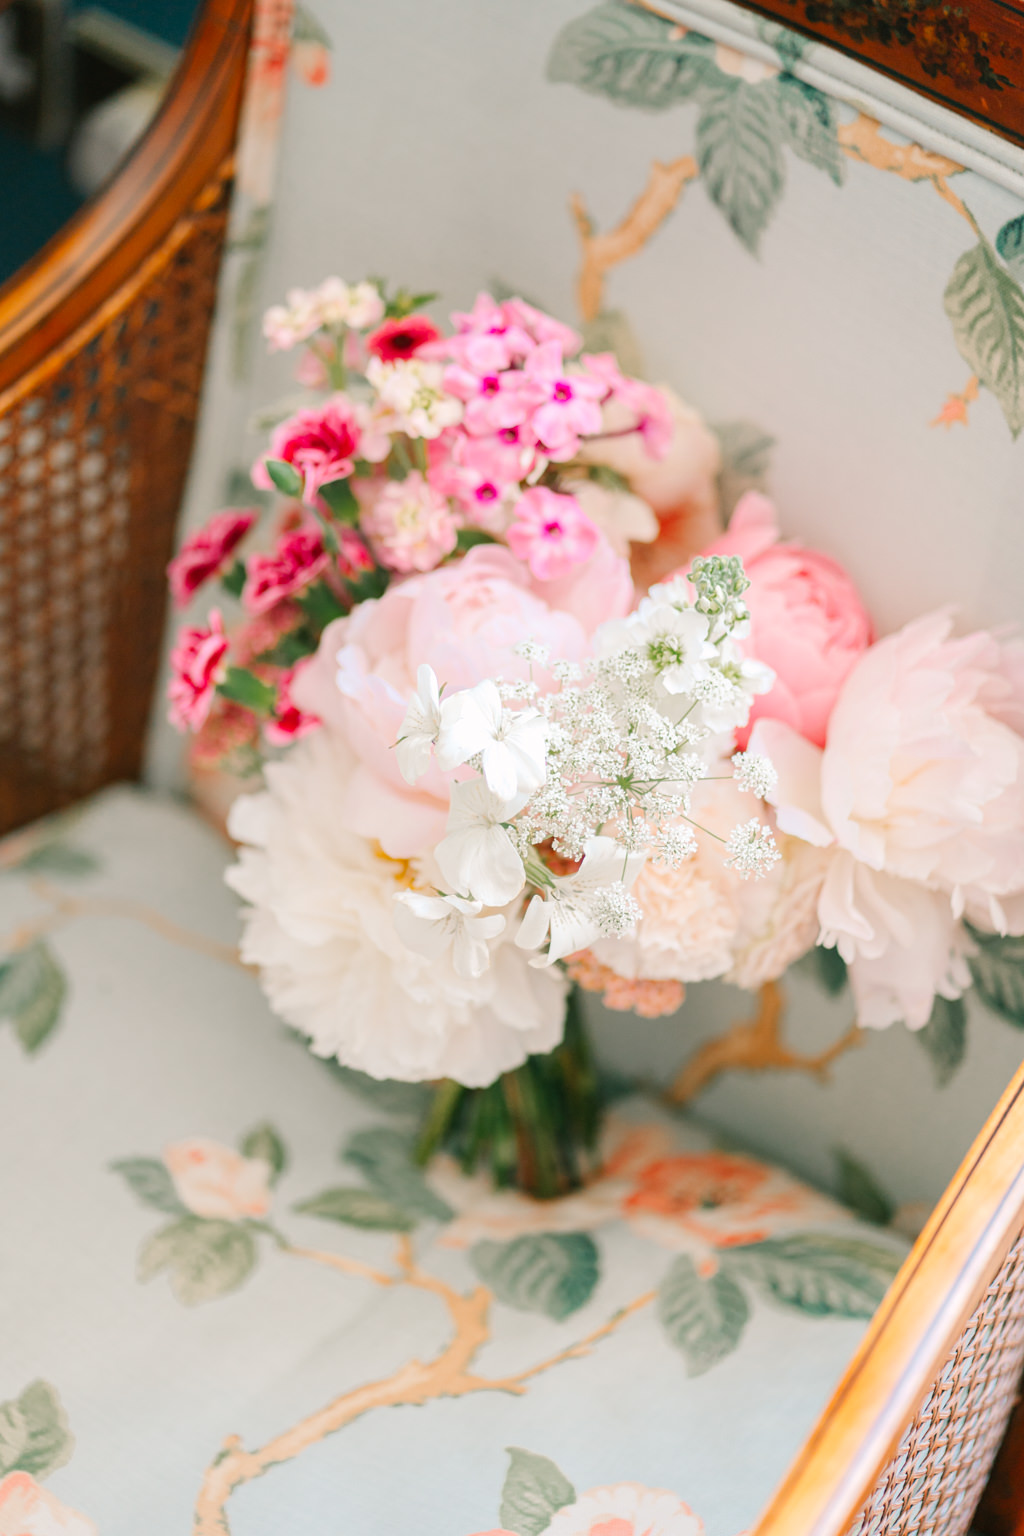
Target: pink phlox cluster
point(552, 533)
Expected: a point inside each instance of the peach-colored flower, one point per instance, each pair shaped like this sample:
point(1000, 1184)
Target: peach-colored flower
point(28, 1510)
point(721, 1199)
point(742, 66)
point(623, 994)
point(216, 1181)
point(681, 488)
point(626, 1509)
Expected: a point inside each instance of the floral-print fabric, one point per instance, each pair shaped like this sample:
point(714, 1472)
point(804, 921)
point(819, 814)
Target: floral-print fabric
point(232, 1301)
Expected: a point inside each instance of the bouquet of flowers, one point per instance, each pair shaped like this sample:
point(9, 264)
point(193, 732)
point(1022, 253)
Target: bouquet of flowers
point(499, 764)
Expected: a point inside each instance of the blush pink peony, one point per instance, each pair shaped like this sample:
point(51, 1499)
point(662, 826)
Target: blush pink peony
point(807, 619)
point(464, 620)
point(204, 552)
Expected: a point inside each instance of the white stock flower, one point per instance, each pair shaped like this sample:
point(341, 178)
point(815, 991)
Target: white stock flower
point(477, 857)
point(420, 728)
point(594, 902)
point(320, 925)
point(413, 396)
point(672, 639)
point(432, 924)
point(511, 743)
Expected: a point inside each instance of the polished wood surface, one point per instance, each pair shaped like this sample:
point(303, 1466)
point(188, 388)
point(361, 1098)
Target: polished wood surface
point(949, 1269)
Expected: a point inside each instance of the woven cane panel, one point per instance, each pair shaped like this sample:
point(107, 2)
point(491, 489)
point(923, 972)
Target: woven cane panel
point(933, 1483)
point(92, 467)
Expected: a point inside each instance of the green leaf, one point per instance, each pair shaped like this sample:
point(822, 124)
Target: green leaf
point(816, 1273)
point(535, 1490)
point(291, 648)
point(944, 1037)
point(389, 1096)
point(703, 1316)
point(34, 1433)
point(740, 157)
point(243, 687)
point(264, 1142)
point(206, 1259)
point(59, 859)
point(149, 1179)
point(385, 1159)
point(233, 580)
point(307, 29)
point(468, 538)
point(321, 605)
point(632, 57)
point(32, 992)
point(986, 305)
point(1010, 245)
point(285, 477)
point(746, 459)
point(860, 1191)
point(809, 126)
point(550, 1272)
point(610, 331)
point(340, 497)
point(357, 1208)
point(998, 973)
point(827, 968)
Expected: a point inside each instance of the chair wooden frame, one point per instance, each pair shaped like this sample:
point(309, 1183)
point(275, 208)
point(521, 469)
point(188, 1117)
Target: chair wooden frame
point(930, 1303)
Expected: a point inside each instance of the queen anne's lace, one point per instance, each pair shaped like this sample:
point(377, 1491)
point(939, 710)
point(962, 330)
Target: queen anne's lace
point(595, 768)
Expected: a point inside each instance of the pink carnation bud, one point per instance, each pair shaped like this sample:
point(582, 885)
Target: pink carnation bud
point(298, 560)
point(203, 553)
point(551, 533)
point(197, 665)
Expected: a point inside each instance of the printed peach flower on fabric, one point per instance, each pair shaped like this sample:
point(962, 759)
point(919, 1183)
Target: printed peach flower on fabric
point(217, 1182)
point(197, 665)
point(918, 802)
point(681, 488)
point(205, 552)
point(26, 1509)
point(807, 620)
point(626, 1509)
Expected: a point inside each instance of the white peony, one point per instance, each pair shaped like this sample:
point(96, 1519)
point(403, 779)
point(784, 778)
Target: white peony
point(321, 928)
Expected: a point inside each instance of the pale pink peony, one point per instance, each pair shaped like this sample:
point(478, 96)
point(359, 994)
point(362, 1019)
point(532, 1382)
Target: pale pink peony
point(204, 552)
point(298, 560)
point(322, 444)
point(197, 665)
point(808, 622)
point(464, 620)
point(918, 802)
point(626, 1509)
point(217, 1182)
point(26, 1509)
point(552, 533)
point(408, 523)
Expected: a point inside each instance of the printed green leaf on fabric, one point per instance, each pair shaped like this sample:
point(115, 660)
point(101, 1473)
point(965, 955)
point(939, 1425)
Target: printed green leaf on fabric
point(60, 859)
point(307, 29)
point(611, 331)
point(817, 1273)
point(986, 306)
point(390, 1097)
point(860, 1191)
point(1010, 245)
point(998, 973)
point(740, 156)
point(703, 1316)
point(264, 1142)
point(206, 1259)
point(32, 992)
point(550, 1272)
point(535, 1490)
point(746, 459)
point(34, 1433)
point(357, 1208)
point(944, 1037)
point(384, 1157)
point(149, 1179)
point(809, 126)
point(632, 57)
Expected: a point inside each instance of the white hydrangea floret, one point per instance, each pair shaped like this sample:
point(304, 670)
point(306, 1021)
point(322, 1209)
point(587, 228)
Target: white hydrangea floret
point(754, 773)
point(751, 849)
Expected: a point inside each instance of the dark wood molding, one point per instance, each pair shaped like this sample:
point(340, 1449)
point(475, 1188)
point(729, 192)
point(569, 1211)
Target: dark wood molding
point(968, 56)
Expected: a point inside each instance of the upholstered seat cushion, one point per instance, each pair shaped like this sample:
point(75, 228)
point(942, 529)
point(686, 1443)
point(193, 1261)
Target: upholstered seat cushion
point(230, 1298)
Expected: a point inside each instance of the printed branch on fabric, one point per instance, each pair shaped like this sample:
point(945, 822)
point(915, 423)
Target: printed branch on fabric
point(750, 112)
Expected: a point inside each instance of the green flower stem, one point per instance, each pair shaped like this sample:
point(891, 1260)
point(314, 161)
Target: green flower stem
point(534, 1129)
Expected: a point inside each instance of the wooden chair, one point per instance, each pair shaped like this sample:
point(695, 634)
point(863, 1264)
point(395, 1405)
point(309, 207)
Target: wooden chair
point(102, 344)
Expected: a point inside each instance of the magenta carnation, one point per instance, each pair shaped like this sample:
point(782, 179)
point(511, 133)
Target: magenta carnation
point(203, 553)
point(197, 665)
